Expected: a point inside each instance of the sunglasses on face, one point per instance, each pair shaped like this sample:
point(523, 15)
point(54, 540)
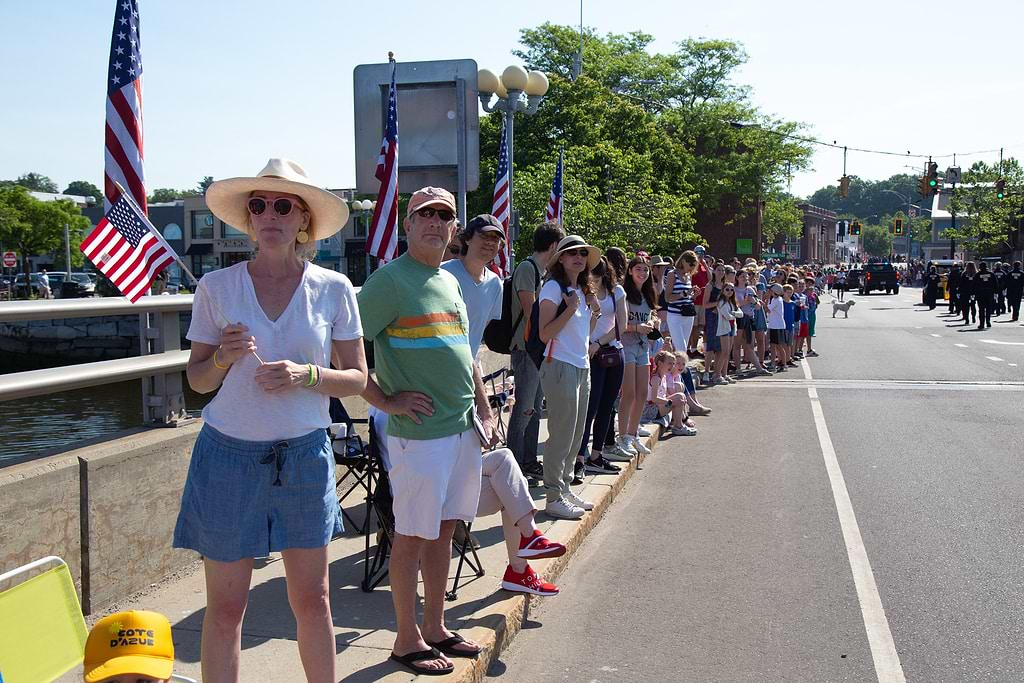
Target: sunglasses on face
point(582, 253)
point(282, 206)
point(430, 212)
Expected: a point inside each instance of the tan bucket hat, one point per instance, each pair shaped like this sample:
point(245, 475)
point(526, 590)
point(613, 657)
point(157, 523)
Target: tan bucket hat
point(576, 242)
point(228, 198)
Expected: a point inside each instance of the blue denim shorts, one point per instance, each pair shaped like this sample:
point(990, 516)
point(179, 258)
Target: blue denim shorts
point(246, 499)
point(637, 353)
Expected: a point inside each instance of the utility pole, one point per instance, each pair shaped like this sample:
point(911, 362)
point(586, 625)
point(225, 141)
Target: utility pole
point(67, 253)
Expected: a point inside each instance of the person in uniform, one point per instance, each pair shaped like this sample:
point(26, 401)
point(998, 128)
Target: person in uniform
point(1000, 271)
point(953, 287)
point(985, 293)
point(967, 307)
point(931, 287)
point(1014, 290)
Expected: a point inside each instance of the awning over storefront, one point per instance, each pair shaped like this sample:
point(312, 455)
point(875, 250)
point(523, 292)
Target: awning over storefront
point(199, 249)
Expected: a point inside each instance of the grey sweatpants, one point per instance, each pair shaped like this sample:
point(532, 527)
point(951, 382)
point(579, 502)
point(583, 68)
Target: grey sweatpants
point(567, 390)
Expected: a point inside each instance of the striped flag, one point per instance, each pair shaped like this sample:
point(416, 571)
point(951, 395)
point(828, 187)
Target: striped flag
point(554, 212)
point(127, 248)
point(501, 205)
point(382, 238)
point(123, 139)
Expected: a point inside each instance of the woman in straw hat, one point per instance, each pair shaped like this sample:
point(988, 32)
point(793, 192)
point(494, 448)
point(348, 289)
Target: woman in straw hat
point(568, 312)
point(261, 479)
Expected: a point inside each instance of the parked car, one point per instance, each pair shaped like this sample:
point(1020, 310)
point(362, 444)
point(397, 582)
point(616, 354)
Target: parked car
point(20, 286)
point(79, 286)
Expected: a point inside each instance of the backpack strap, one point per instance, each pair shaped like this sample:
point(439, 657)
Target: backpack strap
point(536, 288)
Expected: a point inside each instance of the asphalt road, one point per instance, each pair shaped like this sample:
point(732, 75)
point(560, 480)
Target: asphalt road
point(725, 558)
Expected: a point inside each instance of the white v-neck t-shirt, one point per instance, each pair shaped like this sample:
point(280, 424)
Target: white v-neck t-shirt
point(323, 308)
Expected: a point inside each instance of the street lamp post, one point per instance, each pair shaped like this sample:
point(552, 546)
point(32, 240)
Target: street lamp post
point(513, 84)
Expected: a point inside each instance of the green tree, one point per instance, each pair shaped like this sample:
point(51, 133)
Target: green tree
point(83, 188)
point(166, 194)
point(37, 183)
point(984, 222)
point(876, 240)
point(205, 183)
point(31, 227)
point(650, 139)
point(870, 197)
point(781, 217)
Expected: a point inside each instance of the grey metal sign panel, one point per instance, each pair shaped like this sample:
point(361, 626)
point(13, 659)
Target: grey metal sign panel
point(438, 123)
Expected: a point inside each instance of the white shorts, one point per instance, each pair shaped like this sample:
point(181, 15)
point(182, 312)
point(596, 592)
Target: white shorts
point(433, 480)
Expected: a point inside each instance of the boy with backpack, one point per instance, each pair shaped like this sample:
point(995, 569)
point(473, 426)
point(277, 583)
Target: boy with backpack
point(524, 423)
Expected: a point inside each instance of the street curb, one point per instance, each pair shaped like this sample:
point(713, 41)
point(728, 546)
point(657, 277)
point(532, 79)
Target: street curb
point(496, 625)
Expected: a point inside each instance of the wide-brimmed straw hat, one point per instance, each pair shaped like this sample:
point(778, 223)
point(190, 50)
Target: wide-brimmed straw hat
point(228, 199)
point(576, 242)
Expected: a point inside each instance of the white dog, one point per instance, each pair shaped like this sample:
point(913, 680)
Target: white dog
point(843, 306)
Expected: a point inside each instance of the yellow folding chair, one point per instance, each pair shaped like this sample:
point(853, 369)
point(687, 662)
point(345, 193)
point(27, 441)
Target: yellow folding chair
point(42, 631)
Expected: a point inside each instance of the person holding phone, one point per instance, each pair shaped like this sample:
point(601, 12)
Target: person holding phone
point(641, 303)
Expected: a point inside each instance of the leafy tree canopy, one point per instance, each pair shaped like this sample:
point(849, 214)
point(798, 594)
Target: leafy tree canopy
point(651, 140)
point(166, 194)
point(83, 188)
point(988, 224)
point(36, 182)
point(869, 200)
point(877, 240)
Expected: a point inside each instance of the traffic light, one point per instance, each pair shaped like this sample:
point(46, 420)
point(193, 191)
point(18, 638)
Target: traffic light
point(933, 177)
point(897, 226)
point(844, 186)
point(922, 186)
point(1000, 188)
point(855, 228)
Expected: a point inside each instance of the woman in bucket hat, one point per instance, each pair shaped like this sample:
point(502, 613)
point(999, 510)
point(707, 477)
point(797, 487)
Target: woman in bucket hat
point(261, 478)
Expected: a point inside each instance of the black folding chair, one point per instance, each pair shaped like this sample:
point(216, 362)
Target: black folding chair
point(380, 506)
point(350, 453)
point(499, 398)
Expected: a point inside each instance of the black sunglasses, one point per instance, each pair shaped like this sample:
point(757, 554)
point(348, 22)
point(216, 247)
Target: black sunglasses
point(577, 252)
point(282, 206)
point(430, 212)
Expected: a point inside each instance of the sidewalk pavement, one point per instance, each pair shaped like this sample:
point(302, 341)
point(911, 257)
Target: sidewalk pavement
point(364, 622)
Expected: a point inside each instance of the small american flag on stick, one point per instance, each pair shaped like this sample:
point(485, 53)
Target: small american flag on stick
point(554, 212)
point(127, 248)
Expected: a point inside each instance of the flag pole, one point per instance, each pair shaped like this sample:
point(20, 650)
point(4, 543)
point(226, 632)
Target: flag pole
point(177, 258)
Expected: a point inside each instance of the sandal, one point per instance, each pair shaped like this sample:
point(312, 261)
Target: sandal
point(409, 662)
point(447, 646)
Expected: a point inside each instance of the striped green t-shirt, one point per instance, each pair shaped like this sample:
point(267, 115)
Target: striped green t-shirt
point(417, 320)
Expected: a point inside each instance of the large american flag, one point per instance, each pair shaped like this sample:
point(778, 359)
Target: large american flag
point(554, 212)
point(123, 164)
point(501, 205)
point(382, 237)
point(127, 249)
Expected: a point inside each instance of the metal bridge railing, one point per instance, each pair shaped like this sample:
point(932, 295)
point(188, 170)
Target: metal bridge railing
point(159, 365)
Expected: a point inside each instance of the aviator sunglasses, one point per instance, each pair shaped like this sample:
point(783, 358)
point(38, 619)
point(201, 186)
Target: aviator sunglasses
point(430, 212)
point(282, 206)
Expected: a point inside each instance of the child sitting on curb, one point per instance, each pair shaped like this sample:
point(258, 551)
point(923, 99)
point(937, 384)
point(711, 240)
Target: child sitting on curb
point(680, 381)
point(659, 405)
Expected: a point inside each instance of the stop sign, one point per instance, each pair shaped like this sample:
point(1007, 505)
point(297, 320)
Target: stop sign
point(10, 259)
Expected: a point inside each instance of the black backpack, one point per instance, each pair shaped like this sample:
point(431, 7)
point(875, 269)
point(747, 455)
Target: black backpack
point(498, 333)
point(534, 346)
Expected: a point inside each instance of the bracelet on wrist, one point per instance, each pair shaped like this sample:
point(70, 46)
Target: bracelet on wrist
point(312, 375)
point(218, 365)
point(319, 376)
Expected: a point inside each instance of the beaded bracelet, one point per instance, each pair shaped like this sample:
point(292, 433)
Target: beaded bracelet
point(216, 364)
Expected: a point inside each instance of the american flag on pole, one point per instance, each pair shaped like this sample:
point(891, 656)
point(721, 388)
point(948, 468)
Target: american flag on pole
point(501, 205)
point(127, 249)
point(554, 212)
point(382, 237)
point(123, 164)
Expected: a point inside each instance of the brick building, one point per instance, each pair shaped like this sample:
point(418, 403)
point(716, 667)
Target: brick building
point(731, 232)
point(817, 241)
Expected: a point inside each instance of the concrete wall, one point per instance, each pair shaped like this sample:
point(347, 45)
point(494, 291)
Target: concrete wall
point(40, 513)
point(131, 492)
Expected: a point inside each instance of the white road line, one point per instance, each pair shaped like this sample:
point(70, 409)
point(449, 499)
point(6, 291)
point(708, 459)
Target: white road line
point(1012, 365)
point(962, 346)
point(1003, 343)
point(936, 335)
point(918, 328)
point(888, 668)
point(997, 359)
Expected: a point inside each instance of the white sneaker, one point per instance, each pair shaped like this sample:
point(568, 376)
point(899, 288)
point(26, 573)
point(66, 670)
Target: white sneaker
point(642, 431)
point(639, 446)
point(618, 452)
point(706, 379)
point(684, 431)
point(623, 443)
point(563, 509)
point(579, 502)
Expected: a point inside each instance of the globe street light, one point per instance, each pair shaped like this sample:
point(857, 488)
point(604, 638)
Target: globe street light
point(510, 88)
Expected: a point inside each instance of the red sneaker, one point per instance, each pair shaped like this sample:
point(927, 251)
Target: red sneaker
point(527, 582)
point(539, 546)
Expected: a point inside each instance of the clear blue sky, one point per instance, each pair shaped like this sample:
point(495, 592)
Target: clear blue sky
point(230, 83)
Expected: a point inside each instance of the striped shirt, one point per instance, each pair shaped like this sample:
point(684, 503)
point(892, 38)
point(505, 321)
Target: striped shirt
point(684, 290)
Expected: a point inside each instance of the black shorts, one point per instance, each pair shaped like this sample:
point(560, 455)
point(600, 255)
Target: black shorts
point(776, 336)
